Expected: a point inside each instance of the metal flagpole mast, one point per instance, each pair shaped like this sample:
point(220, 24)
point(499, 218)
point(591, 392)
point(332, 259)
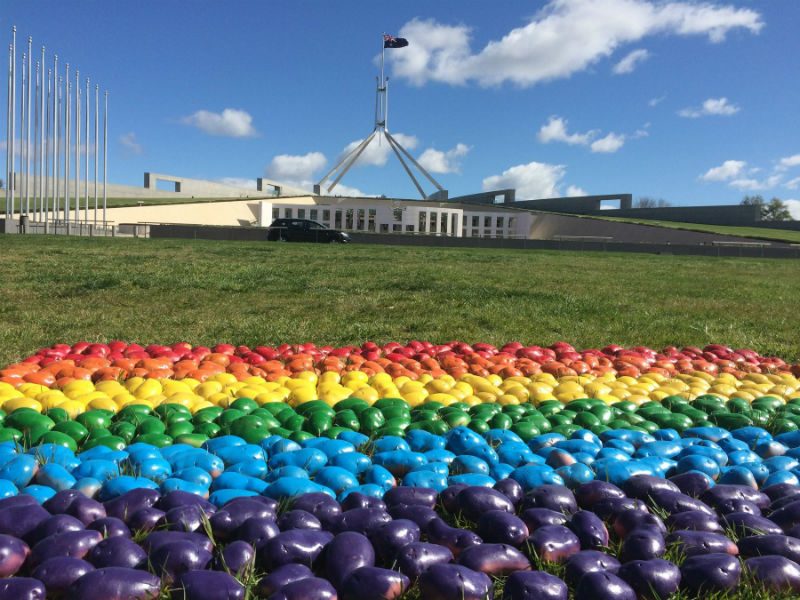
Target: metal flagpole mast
point(77, 145)
point(47, 136)
point(86, 156)
point(96, 149)
point(13, 184)
point(9, 146)
point(23, 82)
point(56, 108)
point(28, 133)
point(105, 156)
point(41, 138)
point(67, 90)
point(35, 142)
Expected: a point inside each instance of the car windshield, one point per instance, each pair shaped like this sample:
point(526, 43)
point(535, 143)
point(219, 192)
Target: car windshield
point(315, 225)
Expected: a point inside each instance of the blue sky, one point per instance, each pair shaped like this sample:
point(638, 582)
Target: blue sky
point(696, 103)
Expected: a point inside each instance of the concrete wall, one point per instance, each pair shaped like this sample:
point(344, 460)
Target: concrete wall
point(733, 214)
point(570, 204)
point(234, 212)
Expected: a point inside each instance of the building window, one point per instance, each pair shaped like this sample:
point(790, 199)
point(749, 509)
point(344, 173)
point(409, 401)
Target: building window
point(453, 223)
point(476, 221)
point(362, 216)
point(423, 216)
point(474, 233)
point(326, 216)
point(397, 214)
point(384, 228)
point(409, 229)
point(371, 219)
point(313, 214)
point(301, 213)
point(348, 218)
point(287, 213)
point(276, 213)
point(338, 219)
point(434, 216)
point(487, 222)
point(397, 227)
point(500, 222)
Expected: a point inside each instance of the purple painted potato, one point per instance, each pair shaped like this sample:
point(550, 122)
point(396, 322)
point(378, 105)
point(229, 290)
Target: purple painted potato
point(416, 496)
point(311, 588)
point(302, 546)
point(677, 502)
point(748, 524)
point(590, 493)
point(185, 518)
point(207, 585)
point(421, 515)
point(452, 538)
point(281, 577)
point(734, 505)
point(171, 560)
point(786, 516)
point(347, 552)
point(511, 489)
point(117, 552)
point(609, 509)
point(448, 497)
point(602, 585)
point(642, 487)
point(554, 543)
point(590, 529)
point(388, 540)
point(722, 492)
point(363, 520)
point(473, 501)
point(539, 517)
point(13, 553)
point(59, 503)
point(455, 582)
point(298, 519)
point(781, 490)
point(115, 583)
point(534, 585)
point(643, 544)
point(628, 521)
point(110, 527)
point(765, 545)
point(19, 500)
point(236, 557)
point(57, 574)
point(710, 573)
point(358, 500)
point(692, 483)
point(51, 526)
point(322, 506)
point(695, 520)
point(776, 572)
point(21, 588)
point(146, 519)
point(498, 526)
point(125, 506)
point(228, 519)
point(21, 520)
point(494, 559)
point(178, 498)
point(157, 539)
point(374, 583)
point(417, 557)
point(555, 497)
point(257, 530)
point(653, 579)
point(86, 510)
point(693, 543)
point(588, 561)
point(70, 543)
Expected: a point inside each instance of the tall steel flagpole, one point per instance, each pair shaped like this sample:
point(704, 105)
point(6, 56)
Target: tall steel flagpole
point(77, 144)
point(86, 156)
point(67, 147)
point(96, 149)
point(35, 141)
point(41, 139)
point(8, 176)
point(13, 184)
point(56, 108)
point(47, 137)
point(28, 133)
point(23, 83)
point(105, 157)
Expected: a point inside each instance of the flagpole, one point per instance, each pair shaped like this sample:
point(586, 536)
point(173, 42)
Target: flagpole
point(13, 184)
point(96, 150)
point(105, 156)
point(86, 156)
point(9, 146)
point(23, 83)
point(77, 146)
point(28, 134)
point(67, 145)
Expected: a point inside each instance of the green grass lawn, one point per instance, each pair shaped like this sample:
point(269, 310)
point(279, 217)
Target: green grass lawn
point(70, 289)
point(762, 233)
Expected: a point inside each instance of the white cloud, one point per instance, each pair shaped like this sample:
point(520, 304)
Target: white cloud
point(295, 168)
point(574, 190)
point(438, 161)
point(792, 184)
point(788, 162)
point(794, 208)
point(730, 169)
point(751, 185)
point(555, 130)
point(711, 107)
point(533, 180)
point(241, 182)
point(346, 190)
point(563, 38)
point(629, 63)
point(377, 152)
point(230, 122)
point(130, 144)
point(610, 143)
point(655, 101)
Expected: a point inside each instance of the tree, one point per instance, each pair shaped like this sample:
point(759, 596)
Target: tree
point(775, 210)
point(648, 202)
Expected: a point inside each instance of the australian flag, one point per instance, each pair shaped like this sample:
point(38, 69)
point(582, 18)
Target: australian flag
point(394, 42)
